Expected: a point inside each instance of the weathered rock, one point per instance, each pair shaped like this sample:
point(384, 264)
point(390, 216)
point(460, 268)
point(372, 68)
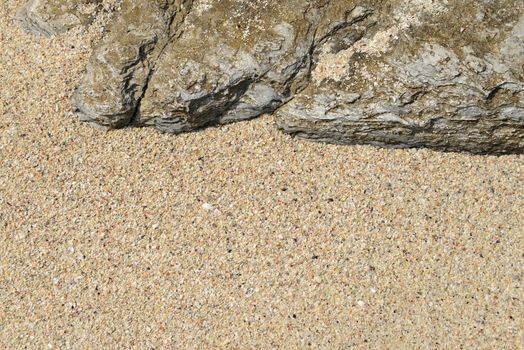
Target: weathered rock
point(234, 60)
point(48, 17)
point(398, 73)
point(202, 73)
point(421, 76)
point(121, 66)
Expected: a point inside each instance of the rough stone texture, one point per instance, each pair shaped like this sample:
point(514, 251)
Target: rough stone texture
point(121, 65)
point(400, 73)
point(420, 76)
point(50, 17)
point(211, 74)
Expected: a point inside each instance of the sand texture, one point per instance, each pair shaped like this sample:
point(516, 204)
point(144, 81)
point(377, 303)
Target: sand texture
point(239, 237)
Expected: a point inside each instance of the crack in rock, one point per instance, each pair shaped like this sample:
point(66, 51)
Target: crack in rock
point(398, 73)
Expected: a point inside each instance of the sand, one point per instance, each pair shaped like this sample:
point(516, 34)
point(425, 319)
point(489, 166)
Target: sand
point(239, 237)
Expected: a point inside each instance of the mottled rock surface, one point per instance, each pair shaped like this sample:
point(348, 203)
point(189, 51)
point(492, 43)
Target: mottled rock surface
point(399, 73)
point(421, 75)
point(235, 60)
point(122, 64)
point(48, 17)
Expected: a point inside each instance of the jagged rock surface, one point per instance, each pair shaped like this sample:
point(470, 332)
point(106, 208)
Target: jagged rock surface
point(399, 73)
point(120, 67)
point(421, 76)
point(211, 74)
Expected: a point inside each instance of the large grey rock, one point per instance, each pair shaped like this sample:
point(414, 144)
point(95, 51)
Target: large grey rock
point(189, 64)
point(447, 75)
point(398, 73)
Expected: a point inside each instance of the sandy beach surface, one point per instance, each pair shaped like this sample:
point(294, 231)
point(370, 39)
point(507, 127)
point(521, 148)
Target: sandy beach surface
point(239, 237)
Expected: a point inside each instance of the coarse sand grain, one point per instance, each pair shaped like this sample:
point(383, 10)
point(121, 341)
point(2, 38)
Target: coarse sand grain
point(239, 236)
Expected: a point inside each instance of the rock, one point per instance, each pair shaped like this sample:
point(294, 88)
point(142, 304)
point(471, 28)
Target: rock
point(48, 17)
point(421, 76)
point(121, 66)
point(398, 73)
point(235, 60)
point(184, 77)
